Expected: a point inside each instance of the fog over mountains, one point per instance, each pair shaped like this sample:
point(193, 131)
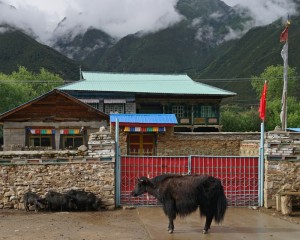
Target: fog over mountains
point(46, 20)
point(207, 39)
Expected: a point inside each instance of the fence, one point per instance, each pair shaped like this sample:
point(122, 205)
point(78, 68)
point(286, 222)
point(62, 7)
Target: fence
point(239, 175)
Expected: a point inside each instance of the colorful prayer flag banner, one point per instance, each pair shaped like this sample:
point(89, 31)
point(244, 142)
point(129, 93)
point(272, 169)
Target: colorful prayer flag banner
point(70, 131)
point(144, 129)
point(42, 131)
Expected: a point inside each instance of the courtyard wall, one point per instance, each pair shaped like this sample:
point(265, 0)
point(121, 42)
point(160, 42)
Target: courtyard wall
point(282, 165)
point(198, 143)
point(89, 168)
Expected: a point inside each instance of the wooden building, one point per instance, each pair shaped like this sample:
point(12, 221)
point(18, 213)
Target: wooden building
point(54, 120)
point(196, 105)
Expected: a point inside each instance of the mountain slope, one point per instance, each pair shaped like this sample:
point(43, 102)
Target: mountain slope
point(87, 46)
point(178, 48)
point(17, 48)
point(249, 56)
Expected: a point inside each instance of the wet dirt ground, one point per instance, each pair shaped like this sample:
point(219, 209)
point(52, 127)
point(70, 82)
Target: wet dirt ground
point(145, 224)
point(103, 225)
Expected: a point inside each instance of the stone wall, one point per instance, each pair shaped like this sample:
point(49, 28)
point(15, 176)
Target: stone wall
point(282, 165)
point(249, 148)
point(16, 179)
point(216, 143)
point(89, 168)
point(210, 143)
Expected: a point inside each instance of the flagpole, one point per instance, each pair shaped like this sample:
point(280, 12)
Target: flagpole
point(284, 55)
point(261, 165)
point(261, 161)
point(285, 86)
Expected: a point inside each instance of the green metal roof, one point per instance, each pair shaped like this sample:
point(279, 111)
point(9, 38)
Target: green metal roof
point(143, 83)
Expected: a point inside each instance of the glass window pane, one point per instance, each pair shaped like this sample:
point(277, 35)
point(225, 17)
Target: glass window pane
point(72, 141)
point(134, 138)
point(178, 110)
point(68, 142)
point(78, 141)
point(45, 141)
point(114, 108)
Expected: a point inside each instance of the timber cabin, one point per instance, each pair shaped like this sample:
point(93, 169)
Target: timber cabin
point(54, 121)
point(195, 105)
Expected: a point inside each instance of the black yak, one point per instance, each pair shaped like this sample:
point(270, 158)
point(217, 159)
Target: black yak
point(33, 199)
point(84, 200)
point(182, 195)
point(59, 202)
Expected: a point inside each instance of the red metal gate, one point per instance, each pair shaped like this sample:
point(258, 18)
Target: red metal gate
point(239, 175)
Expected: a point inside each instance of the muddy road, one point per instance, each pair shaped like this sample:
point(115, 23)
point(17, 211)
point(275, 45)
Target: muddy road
point(117, 224)
point(145, 224)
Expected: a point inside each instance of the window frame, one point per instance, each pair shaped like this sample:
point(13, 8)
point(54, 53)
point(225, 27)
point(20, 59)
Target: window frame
point(39, 137)
point(178, 110)
point(110, 108)
point(73, 136)
point(140, 143)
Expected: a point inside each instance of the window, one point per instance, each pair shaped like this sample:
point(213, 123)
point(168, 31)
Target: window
point(114, 108)
point(178, 110)
point(40, 137)
point(208, 111)
point(94, 105)
point(72, 138)
point(39, 140)
point(141, 144)
point(71, 141)
point(92, 102)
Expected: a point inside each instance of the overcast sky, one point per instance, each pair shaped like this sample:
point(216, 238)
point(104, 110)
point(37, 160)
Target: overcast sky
point(118, 17)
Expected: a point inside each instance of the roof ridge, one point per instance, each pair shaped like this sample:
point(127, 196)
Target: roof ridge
point(124, 73)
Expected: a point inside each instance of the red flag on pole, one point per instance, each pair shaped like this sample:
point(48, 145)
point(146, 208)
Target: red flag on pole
point(285, 34)
point(262, 105)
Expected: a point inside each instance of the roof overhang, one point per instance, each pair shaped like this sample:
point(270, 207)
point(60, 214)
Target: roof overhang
point(144, 120)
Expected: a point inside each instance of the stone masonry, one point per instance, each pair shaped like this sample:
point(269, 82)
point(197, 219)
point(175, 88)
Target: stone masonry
point(90, 168)
point(282, 165)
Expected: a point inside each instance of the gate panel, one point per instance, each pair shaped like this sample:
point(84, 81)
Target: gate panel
point(239, 175)
point(133, 167)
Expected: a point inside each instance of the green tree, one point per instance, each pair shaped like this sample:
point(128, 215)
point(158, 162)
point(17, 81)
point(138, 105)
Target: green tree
point(22, 86)
point(274, 77)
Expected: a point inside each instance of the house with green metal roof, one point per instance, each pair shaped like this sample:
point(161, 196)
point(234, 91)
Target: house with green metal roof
point(196, 105)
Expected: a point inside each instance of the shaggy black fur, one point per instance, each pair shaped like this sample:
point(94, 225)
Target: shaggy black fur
point(182, 195)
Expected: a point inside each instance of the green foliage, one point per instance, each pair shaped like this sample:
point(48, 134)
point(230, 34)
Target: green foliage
point(22, 85)
point(235, 119)
point(274, 77)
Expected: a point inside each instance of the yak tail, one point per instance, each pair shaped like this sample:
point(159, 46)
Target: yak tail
point(221, 205)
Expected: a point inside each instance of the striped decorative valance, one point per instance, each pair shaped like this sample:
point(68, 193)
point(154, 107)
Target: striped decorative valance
point(144, 129)
point(70, 131)
point(42, 131)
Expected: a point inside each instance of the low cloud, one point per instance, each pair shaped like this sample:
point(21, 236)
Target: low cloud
point(115, 17)
point(118, 18)
point(266, 11)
